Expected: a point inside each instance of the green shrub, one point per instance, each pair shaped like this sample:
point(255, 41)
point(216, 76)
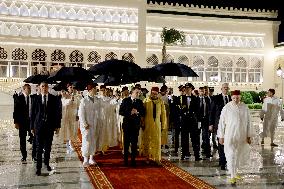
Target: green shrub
point(246, 97)
point(255, 106)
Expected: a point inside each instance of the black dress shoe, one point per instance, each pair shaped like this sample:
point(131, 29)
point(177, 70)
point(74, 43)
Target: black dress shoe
point(133, 163)
point(198, 159)
point(223, 167)
point(38, 172)
point(48, 167)
point(24, 160)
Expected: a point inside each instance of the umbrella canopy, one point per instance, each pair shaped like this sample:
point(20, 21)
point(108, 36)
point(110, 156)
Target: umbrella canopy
point(36, 79)
point(116, 67)
point(60, 86)
point(111, 80)
point(175, 69)
point(69, 74)
point(78, 85)
point(152, 75)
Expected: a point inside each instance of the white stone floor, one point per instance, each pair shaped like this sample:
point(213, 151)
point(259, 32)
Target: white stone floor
point(266, 170)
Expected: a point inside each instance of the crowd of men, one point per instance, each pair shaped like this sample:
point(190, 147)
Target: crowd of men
point(138, 120)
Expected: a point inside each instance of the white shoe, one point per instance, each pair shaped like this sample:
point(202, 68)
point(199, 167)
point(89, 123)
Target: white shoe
point(85, 164)
point(92, 162)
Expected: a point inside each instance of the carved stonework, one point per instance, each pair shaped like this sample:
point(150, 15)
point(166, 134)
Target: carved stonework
point(58, 56)
point(19, 54)
point(3, 54)
point(76, 56)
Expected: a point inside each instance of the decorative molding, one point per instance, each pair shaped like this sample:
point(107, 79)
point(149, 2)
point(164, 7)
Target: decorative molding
point(217, 11)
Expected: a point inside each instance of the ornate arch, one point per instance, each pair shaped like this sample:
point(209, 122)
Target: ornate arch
point(76, 56)
point(256, 62)
point(3, 54)
point(110, 56)
point(169, 58)
point(19, 54)
point(128, 57)
point(212, 61)
point(227, 62)
point(198, 61)
point(152, 60)
point(58, 56)
point(39, 55)
point(94, 57)
point(241, 62)
point(183, 60)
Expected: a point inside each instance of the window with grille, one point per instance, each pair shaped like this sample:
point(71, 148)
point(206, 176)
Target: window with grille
point(198, 67)
point(38, 64)
point(255, 70)
point(212, 69)
point(3, 54)
point(94, 57)
point(226, 69)
point(241, 70)
point(128, 57)
point(169, 58)
point(57, 59)
point(4, 69)
point(19, 66)
point(152, 60)
point(183, 60)
point(111, 56)
point(76, 56)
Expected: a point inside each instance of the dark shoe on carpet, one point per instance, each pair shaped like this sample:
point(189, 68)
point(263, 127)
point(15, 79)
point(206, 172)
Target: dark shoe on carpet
point(38, 172)
point(133, 163)
point(273, 144)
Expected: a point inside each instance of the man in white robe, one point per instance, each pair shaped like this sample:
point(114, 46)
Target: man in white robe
point(88, 123)
point(269, 115)
point(69, 125)
point(234, 132)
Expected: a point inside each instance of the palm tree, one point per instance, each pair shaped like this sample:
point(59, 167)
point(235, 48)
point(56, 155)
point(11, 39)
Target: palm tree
point(170, 37)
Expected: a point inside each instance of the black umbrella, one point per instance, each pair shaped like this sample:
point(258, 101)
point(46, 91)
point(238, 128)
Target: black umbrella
point(116, 67)
point(111, 80)
point(152, 75)
point(36, 79)
point(69, 74)
point(60, 86)
point(175, 69)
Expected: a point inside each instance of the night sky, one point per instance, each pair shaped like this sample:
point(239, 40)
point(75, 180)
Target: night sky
point(253, 4)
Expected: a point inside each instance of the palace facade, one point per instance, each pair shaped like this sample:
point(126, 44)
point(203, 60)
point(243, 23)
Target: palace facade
point(223, 44)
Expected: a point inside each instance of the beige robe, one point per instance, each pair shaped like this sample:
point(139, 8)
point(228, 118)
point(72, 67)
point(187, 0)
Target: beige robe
point(151, 136)
point(69, 125)
point(270, 112)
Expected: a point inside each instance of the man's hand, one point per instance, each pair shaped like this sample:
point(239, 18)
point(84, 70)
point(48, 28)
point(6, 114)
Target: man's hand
point(17, 126)
point(77, 118)
point(33, 131)
point(261, 119)
point(248, 140)
point(57, 130)
point(210, 127)
point(221, 141)
point(134, 111)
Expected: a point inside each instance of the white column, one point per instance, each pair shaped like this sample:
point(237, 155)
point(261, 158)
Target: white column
point(141, 54)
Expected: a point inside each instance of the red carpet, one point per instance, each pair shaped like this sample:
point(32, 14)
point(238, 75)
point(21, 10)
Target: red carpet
point(111, 173)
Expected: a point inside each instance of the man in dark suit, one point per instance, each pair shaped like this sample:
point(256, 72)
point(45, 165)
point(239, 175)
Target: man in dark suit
point(176, 117)
point(189, 108)
point(219, 101)
point(133, 111)
point(21, 115)
point(203, 120)
point(45, 119)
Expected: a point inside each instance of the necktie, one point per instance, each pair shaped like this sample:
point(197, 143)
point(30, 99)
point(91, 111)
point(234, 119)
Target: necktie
point(202, 106)
point(44, 107)
point(226, 99)
point(188, 101)
point(154, 110)
point(28, 102)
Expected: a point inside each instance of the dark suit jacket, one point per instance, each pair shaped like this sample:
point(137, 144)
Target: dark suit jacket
point(131, 122)
point(200, 113)
point(21, 111)
point(52, 120)
point(217, 105)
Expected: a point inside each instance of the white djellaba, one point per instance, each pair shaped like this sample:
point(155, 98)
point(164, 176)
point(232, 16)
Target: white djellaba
point(235, 130)
point(88, 124)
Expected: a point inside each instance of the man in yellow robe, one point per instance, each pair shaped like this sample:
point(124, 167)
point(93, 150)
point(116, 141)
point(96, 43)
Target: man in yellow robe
point(155, 121)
